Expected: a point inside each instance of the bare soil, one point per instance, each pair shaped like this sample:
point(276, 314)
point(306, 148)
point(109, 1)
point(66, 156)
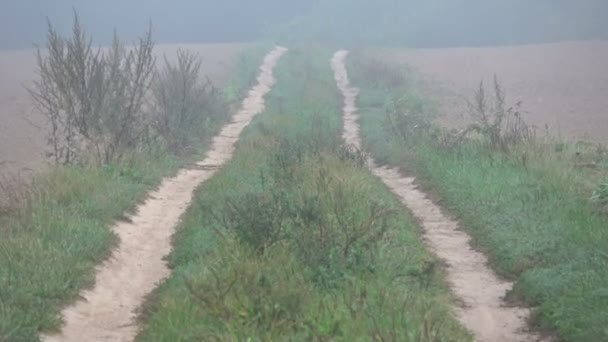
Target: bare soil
point(483, 311)
point(562, 86)
point(22, 133)
point(107, 312)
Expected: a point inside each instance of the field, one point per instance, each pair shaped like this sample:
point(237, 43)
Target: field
point(330, 205)
point(562, 86)
point(22, 137)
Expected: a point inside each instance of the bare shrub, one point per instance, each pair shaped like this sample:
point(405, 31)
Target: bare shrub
point(257, 219)
point(92, 100)
point(503, 127)
point(335, 232)
point(600, 195)
point(129, 75)
point(184, 104)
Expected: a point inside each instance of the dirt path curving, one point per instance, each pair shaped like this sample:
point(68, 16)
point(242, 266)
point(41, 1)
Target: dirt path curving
point(484, 311)
point(135, 268)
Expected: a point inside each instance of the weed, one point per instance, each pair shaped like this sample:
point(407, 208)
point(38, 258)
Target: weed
point(352, 154)
point(335, 233)
point(501, 126)
point(257, 219)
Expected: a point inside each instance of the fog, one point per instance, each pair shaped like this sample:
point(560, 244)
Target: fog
point(23, 22)
point(414, 23)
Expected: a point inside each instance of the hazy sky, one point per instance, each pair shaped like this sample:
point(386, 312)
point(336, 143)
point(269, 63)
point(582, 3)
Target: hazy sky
point(415, 23)
point(23, 22)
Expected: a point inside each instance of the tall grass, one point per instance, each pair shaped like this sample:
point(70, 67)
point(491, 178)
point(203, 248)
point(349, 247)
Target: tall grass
point(528, 207)
point(295, 240)
point(51, 242)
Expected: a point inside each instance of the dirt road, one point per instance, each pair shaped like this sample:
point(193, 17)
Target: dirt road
point(107, 312)
point(484, 311)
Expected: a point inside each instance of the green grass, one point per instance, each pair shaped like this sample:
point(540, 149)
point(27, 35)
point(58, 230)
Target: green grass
point(530, 211)
point(295, 240)
point(50, 246)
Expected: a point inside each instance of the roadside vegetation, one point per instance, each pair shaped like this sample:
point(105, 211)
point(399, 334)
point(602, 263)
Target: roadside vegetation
point(118, 124)
point(534, 205)
point(295, 239)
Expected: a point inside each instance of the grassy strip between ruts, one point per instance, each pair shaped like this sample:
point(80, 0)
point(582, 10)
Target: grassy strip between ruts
point(50, 246)
point(528, 209)
point(295, 240)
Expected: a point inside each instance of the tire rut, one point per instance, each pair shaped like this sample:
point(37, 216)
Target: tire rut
point(484, 311)
point(107, 312)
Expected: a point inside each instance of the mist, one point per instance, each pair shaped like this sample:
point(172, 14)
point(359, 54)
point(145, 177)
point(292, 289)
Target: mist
point(447, 23)
point(410, 23)
point(23, 23)
point(331, 170)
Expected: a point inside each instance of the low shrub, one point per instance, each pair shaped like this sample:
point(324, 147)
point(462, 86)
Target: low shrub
point(183, 105)
point(93, 99)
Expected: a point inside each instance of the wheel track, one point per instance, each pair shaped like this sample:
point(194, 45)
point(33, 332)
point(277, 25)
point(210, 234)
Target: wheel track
point(107, 312)
point(484, 311)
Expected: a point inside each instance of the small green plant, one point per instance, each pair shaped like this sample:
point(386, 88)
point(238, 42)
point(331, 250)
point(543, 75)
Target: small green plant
point(600, 195)
point(335, 233)
point(257, 219)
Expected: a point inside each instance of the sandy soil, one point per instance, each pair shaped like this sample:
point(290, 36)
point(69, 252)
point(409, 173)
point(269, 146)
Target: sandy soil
point(22, 135)
point(564, 85)
point(484, 311)
point(135, 268)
